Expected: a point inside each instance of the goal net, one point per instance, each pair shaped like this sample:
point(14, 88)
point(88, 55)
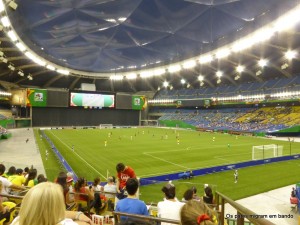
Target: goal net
point(153, 123)
point(266, 151)
point(103, 126)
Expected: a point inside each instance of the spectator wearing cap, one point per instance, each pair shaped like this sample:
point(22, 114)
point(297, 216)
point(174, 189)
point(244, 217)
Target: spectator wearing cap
point(170, 207)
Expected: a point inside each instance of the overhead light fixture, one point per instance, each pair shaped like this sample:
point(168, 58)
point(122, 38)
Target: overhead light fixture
point(174, 68)
point(290, 54)
point(165, 83)
point(21, 47)
point(240, 68)
point(29, 76)
point(116, 77)
point(131, 76)
point(146, 73)
point(21, 73)
point(13, 5)
point(284, 66)
point(262, 62)
point(66, 72)
point(237, 77)
point(219, 74)
point(189, 64)
point(205, 58)
point(5, 21)
point(182, 81)
point(259, 72)
point(12, 35)
point(222, 53)
point(50, 67)
point(11, 67)
point(2, 8)
point(200, 78)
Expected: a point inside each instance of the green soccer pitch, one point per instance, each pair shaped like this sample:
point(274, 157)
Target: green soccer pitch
point(156, 151)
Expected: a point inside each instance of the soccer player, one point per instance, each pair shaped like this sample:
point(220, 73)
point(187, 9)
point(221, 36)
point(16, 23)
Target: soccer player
point(105, 143)
point(213, 139)
point(178, 141)
point(236, 176)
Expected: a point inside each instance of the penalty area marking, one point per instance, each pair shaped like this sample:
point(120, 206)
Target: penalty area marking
point(79, 156)
point(175, 164)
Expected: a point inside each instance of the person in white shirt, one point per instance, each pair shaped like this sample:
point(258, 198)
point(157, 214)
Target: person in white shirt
point(170, 207)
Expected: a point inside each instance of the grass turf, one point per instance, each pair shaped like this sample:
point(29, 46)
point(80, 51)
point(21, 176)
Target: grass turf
point(154, 151)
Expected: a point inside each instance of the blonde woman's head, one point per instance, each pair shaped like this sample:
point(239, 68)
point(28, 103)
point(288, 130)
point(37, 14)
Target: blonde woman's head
point(43, 204)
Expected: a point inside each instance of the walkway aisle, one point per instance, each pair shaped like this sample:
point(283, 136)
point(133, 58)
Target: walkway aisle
point(16, 152)
point(275, 202)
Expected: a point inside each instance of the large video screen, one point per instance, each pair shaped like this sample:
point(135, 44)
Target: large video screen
point(92, 100)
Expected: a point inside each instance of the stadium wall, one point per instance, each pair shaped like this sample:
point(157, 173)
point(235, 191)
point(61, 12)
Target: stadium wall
point(54, 116)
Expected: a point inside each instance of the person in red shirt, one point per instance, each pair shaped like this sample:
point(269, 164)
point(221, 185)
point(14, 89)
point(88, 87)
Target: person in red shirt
point(123, 174)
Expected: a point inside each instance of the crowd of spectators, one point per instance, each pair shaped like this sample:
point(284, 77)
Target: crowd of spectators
point(241, 119)
point(50, 201)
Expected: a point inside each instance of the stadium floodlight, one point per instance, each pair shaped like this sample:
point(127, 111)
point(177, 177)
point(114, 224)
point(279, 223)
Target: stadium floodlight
point(206, 58)
point(259, 72)
point(13, 5)
point(5, 21)
point(290, 54)
point(240, 68)
point(50, 67)
point(200, 77)
point(21, 47)
point(182, 81)
point(159, 71)
point(222, 53)
point(219, 73)
point(2, 8)
point(284, 66)
point(12, 35)
point(116, 77)
point(174, 68)
point(165, 83)
point(262, 62)
point(21, 73)
point(131, 76)
point(64, 72)
point(11, 67)
point(146, 73)
point(189, 64)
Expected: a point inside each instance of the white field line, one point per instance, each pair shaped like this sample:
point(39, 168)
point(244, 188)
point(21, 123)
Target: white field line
point(79, 156)
point(165, 161)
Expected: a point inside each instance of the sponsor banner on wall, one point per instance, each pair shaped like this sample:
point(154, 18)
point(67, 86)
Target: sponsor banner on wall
point(36, 97)
point(138, 102)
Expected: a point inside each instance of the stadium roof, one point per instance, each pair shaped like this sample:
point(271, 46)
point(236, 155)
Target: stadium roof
point(135, 42)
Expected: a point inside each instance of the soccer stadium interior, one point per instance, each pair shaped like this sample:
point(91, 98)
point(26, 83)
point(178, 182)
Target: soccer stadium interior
point(184, 91)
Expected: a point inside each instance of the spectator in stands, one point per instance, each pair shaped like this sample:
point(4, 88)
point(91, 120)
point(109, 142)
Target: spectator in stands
point(11, 171)
point(95, 200)
point(110, 190)
point(31, 178)
point(6, 184)
point(96, 185)
point(44, 204)
point(25, 173)
point(294, 192)
point(123, 174)
point(170, 207)
point(208, 198)
point(4, 210)
point(188, 195)
point(41, 178)
point(62, 181)
point(18, 178)
point(197, 213)
point(195, 196)
point(110, 187)
point(132, 204)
